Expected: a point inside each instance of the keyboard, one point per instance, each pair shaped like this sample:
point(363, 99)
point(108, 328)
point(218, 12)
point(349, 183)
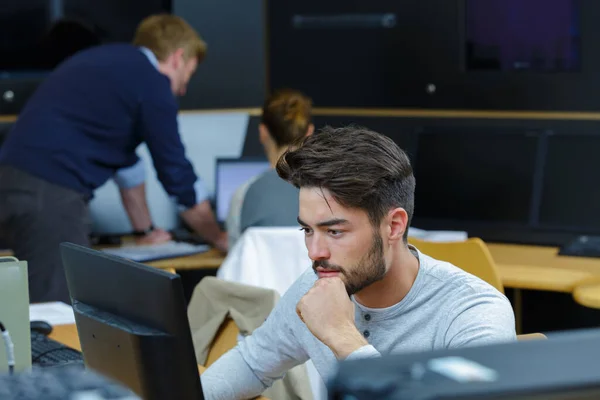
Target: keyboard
point(157, 252)
point(582, 246)
point(64, 383)
point(46, 352)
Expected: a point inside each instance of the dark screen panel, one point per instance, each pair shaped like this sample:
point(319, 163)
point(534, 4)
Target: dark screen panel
point(475, 175)
point(571, 189)
point(533, 35)
point(353, 52)
point(397, 129)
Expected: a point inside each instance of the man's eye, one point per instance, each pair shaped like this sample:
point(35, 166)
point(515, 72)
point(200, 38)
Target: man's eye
point(334, 232)
point(305, 230)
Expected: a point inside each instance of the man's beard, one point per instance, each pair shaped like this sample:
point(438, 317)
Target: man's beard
point(370, 269)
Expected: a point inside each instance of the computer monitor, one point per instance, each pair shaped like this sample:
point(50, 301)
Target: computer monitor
point(474, 176)
point(132, 323)
point(230, 174)
point(515, 35)
point(565, 366)
point(570, 193)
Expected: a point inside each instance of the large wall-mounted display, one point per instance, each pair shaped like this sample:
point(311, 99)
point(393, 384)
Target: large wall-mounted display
point(470, 54)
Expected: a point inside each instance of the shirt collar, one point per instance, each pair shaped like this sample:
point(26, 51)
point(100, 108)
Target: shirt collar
point(151, 57)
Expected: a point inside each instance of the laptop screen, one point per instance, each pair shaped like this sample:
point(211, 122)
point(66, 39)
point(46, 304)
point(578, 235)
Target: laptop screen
point(230, 175)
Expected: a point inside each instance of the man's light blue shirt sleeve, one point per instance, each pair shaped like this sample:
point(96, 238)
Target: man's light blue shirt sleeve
point(130, 177)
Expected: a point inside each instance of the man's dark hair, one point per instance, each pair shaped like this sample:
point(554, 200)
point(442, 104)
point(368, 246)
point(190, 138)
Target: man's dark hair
point(359, 167)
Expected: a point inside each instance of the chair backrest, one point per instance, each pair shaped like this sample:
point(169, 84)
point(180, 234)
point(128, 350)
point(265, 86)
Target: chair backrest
point(225, 340)
point(531, 336)
point(220, 311)
point(471, 255)
point(267, 257)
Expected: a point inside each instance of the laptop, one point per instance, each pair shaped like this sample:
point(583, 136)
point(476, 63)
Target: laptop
point(230, 174)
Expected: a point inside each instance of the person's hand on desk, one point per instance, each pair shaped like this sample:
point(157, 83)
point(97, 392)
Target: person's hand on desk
point(156, 236)
point(328, 313)
point(222, 244)
point(202, 220)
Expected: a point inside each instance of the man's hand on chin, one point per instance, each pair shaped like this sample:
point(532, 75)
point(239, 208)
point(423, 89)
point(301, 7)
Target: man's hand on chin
point(328, 313)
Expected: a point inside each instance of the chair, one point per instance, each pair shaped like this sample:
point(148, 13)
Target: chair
point(220, 311)
point(257, 258)
point(532, 336)
point(471, 255)
point(225, 340)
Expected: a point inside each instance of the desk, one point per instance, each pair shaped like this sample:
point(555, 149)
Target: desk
point(213, 258)
point(67, 335)
point(541, 268)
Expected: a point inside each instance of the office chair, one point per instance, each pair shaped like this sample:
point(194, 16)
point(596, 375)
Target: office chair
point(471, 255)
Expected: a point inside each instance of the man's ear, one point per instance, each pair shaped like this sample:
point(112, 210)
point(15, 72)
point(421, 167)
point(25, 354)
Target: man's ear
point(397, 223)
point(310, 130)
point(177, 59)
point(263, 134)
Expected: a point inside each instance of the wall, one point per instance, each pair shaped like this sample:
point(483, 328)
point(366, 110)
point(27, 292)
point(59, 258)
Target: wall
point(420, 61)
point(233, 74)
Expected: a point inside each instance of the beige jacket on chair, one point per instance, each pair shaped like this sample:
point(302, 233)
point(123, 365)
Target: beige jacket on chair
point(215, 300)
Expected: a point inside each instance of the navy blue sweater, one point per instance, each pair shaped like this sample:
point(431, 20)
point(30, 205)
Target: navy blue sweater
point(87, 118)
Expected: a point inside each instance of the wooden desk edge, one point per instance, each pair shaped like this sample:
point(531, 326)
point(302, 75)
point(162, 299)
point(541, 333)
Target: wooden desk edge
point(405, 112)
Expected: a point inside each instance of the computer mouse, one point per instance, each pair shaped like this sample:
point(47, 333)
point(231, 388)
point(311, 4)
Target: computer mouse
point(41, 327)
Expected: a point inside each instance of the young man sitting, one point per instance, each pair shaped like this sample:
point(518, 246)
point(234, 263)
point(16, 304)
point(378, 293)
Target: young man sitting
point(368, 292)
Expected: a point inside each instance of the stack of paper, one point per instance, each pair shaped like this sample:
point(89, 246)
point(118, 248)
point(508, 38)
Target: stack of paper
point(55, 313)
point(438, 236)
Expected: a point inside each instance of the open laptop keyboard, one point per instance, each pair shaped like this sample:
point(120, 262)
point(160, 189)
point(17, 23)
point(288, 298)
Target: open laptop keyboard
point(157, 252)
point(46, 352)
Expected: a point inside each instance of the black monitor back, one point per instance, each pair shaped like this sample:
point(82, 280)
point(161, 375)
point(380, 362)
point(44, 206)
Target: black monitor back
point(132, 323)
point(566, 366)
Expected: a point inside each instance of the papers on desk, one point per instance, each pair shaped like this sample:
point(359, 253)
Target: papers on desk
point(157, 252)
point(438, 236)
point(55, 313)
